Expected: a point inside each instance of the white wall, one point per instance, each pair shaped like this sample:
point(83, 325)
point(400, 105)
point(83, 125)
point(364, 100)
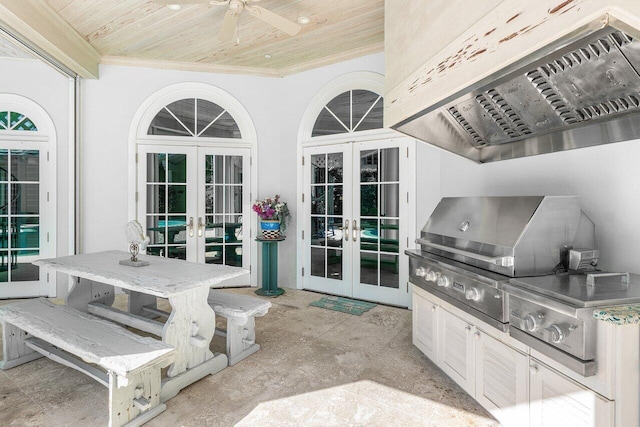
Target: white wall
point(607, 178)
point(48, 88)
point(275, 106)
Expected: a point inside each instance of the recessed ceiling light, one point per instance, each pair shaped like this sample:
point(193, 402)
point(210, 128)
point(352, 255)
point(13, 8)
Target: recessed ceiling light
point(174, 6)
point(267, 55)
point(303, 20)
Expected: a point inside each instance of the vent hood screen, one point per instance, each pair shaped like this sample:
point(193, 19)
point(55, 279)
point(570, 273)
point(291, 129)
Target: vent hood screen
point(585, 93)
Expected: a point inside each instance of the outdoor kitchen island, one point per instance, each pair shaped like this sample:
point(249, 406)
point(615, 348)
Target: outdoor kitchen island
point(504, 305)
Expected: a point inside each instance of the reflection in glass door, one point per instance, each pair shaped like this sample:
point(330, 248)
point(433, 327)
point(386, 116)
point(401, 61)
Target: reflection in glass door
point(195, 203)
point(355, 220)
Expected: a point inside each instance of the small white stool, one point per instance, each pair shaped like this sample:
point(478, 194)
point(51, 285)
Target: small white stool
point(240, 312)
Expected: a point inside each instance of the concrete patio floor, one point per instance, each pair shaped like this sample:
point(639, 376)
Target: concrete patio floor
point(316, 367)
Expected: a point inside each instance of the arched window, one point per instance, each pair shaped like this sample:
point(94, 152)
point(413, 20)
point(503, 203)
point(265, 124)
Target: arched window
point(12, 120)
point(195, 118)
point(351, 111)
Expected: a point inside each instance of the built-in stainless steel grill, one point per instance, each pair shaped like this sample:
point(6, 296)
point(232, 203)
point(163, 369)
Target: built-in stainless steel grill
point(471, 246)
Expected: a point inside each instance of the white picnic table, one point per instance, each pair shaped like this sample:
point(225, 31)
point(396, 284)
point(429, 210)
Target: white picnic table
point(191, 323)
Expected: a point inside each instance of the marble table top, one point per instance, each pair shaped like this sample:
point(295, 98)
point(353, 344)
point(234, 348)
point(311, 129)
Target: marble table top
point(163, 277)
point(619, 315)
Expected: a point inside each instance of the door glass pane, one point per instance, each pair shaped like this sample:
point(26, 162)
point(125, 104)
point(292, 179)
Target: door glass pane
point(177, 202)
point(218, 199)
point(369, 268)
point(318, 169)
point(27, 199)
point(334, 198)
point(389, 276)
point(369, 166)
point(333, 232)
point(28, 231)
point(334, 264)
point(25, 165)
point(318, 231)
point(389, 164)
point(233, 169)
point(177, 168)
point(317, 262)
point(4, 199)
point(335, 167)
point(369, 235)
point(233, 202)
point(389, 200)
point(389, 235)
point(156, 197)
point(219, 169)
point(318, 200)
point(156, 167)
point(369, 200)
point(4, 165)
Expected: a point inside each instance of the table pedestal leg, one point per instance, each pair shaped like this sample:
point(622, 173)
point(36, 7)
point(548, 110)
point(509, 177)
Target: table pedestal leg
point(85, 291)
point(189, 329)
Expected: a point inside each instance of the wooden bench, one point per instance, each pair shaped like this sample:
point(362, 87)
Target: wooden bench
point(127, 364)
point(240, 312)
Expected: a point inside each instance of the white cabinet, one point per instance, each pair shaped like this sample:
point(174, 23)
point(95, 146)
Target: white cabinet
point(425, 322)
point(555, 400)
point(455, 349)
point(502, 380)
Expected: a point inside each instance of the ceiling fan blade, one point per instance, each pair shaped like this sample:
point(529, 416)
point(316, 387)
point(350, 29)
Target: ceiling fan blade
point(274, 20)
point(185, 2)
point(228, 26)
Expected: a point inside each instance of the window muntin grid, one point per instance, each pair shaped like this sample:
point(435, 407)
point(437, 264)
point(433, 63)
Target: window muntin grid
point(351, 111)
point(194, 117)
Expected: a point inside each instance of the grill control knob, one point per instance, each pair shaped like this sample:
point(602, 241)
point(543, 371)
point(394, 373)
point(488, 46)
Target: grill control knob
point(443, 281)
point(431, 276)
point(554, 334)
point(421, 271)
point(530, 323)
point(472, 294)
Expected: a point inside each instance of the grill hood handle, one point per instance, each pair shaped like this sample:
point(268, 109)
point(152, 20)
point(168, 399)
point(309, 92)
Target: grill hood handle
point(502, 261)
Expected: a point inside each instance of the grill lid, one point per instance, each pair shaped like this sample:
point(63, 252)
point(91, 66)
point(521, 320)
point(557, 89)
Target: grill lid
point(515, 236)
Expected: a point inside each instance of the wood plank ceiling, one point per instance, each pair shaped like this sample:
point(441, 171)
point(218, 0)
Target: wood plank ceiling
point(144, 33)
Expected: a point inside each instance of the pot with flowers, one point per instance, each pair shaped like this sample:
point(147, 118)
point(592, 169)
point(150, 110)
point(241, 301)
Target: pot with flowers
point(274, 215)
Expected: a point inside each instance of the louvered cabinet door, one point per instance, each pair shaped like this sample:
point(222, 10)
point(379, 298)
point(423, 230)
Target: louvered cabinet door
point(502, 380)
point(455, 350)
point(425, 322)
point(558, 401)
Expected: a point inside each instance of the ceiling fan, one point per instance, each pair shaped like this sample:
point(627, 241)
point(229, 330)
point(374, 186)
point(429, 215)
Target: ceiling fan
point(236, 7)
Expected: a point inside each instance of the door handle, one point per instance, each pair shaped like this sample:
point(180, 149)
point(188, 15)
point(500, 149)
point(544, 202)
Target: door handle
point(355, 230)
point(346, 230)
point(200, 226)
point(190, 226)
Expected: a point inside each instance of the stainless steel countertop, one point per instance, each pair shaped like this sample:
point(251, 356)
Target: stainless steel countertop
point(573, 289)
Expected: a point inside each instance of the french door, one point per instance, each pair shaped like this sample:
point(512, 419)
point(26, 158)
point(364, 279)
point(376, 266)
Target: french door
point(194, 203)
point(356, 216)
point(27, 220)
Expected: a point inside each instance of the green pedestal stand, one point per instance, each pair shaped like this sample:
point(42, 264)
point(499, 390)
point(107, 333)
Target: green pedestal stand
point(270, 267)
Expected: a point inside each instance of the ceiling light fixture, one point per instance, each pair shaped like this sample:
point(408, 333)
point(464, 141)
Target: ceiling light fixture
point(174, 6)
point(303, 20)
point(267, 55)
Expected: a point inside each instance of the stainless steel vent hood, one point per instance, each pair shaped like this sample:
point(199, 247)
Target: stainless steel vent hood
point(583, 90)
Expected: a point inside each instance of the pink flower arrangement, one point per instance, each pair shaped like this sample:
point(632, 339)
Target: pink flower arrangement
point(272, 209)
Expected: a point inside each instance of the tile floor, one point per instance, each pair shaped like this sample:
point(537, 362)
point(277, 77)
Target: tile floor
point(316, 367)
